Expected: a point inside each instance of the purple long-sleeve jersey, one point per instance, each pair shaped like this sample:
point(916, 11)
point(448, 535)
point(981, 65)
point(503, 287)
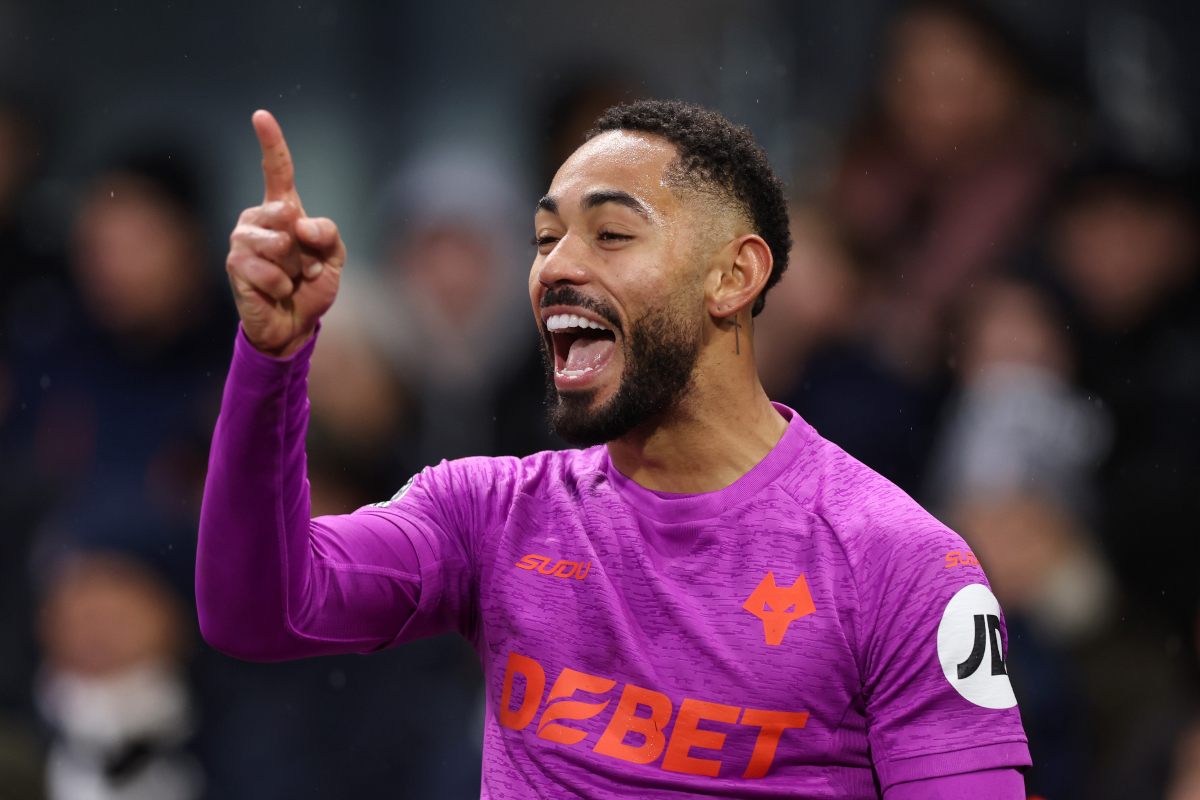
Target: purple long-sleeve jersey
point(807, 632)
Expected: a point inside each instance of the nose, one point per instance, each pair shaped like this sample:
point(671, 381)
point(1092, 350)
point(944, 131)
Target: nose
point(566, 263)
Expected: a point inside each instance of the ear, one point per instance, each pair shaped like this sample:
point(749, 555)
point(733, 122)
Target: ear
point(738, 276)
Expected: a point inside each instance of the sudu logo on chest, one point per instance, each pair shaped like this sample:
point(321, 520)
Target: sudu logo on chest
point(779, 606)
point(555, 569)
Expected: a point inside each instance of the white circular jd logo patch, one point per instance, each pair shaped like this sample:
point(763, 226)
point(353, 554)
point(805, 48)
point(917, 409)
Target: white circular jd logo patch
point(970, 650)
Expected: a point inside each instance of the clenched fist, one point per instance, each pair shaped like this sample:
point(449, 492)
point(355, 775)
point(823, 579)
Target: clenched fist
point(284, 266)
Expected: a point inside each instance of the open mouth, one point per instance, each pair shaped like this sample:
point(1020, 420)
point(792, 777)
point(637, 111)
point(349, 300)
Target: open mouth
point(582, 345)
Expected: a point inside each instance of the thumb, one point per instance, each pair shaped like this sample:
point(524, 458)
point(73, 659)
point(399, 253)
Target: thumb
point(320, 234)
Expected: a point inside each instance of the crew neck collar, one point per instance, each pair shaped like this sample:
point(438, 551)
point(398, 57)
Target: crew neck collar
point(668, 507)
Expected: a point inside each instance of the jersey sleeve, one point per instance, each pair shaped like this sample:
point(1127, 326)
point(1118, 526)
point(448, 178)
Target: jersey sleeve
point(271, 584)
point(931, 648)
point(447, 512)
point(990, 784)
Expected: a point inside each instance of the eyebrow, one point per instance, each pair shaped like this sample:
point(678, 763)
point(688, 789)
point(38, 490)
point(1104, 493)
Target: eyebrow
point(597, 199)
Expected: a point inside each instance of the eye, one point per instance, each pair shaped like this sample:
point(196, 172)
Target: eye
point(609, 236)
point(541, 241)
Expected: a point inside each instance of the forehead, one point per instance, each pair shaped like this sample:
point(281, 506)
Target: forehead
point(621, 160)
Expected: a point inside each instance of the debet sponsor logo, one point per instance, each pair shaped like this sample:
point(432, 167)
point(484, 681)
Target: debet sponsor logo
point(562, 705)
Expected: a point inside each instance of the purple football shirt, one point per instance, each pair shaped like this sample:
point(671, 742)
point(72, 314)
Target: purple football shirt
point(802, 633)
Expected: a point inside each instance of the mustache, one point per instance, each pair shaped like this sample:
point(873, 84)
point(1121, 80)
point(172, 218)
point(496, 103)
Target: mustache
point(570, 296)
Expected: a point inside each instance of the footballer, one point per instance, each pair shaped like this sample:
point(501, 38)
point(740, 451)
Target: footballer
point(705, 599)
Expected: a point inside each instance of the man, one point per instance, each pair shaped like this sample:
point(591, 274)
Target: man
point(714, 602)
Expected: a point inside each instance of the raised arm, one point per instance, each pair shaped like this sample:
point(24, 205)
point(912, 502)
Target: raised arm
point(270, 584)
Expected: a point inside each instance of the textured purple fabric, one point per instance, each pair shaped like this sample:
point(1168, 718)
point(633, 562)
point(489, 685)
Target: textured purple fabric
point(992, 784)
point(777, 638)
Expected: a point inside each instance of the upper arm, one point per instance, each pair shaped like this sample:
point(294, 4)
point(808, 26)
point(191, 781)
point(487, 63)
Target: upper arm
point(935, 684)
point(364, 581)
point(444, 513)
point(990, 784)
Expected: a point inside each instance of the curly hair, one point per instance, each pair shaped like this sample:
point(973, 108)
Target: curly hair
point(716, 156)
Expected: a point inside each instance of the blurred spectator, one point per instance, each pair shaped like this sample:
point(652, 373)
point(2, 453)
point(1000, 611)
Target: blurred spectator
point(113, 686)
point(1015, 472)
point(817, 303)
point(450, 309)
point(360, 411)
point(1012, 473)
point(1015, 467)
point(139, 254)
point(944, 175)
point(819, 358)
point(119, 401)
point(1123, 252)
point(936, 187)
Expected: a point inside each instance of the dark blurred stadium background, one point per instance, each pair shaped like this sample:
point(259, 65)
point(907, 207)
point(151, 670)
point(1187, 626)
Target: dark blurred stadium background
point(993, 301)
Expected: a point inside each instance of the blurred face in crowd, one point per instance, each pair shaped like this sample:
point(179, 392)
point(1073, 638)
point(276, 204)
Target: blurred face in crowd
point(618, 285)
point(105, 615)
point(1011, 323)
point(137, 258)
point(1122, 252)
point(814, 303)
point(947, 92)
point(454, 266)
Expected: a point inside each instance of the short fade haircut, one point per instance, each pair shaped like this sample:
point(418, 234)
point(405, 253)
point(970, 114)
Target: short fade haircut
point(718, 157)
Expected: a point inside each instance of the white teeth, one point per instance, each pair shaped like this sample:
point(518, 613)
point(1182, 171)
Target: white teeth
point(573, 373)
point(560, 322)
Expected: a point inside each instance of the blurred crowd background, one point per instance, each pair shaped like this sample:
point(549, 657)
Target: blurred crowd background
point(993, 301)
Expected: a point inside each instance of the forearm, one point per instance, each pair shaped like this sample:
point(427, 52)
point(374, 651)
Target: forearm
point(990, 784)
point(267, 587)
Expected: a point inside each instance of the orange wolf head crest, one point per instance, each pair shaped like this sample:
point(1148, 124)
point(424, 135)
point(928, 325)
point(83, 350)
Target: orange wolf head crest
point(777, 606)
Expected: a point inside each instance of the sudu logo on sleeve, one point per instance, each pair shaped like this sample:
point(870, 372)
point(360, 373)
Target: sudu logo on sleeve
point(970, 648)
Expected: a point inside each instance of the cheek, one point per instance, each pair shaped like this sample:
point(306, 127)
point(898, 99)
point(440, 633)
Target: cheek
point(535, 285)
point(666, 270)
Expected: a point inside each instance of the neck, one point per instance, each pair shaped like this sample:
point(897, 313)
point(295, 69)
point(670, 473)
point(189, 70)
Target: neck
point(715, 435)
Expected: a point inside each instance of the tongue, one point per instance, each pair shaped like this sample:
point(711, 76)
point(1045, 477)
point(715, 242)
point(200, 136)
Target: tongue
point(587, 352)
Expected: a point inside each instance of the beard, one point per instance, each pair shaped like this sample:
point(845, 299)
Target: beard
point(660, 354)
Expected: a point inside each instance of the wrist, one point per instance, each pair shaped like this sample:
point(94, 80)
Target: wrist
point(285, 352)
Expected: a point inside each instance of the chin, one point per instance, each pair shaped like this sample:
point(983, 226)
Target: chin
point(652, 372)
point(579, 417)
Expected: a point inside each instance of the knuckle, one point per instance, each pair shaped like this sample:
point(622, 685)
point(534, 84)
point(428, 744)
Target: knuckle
point(280, 287)
point(276, 243)
point(233, 262)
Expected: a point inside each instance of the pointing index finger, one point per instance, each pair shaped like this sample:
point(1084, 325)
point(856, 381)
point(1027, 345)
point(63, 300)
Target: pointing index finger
point(277, 160)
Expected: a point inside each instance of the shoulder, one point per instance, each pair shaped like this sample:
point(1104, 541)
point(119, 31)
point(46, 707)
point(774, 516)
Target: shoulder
point(876, 523)
point(481, 481)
